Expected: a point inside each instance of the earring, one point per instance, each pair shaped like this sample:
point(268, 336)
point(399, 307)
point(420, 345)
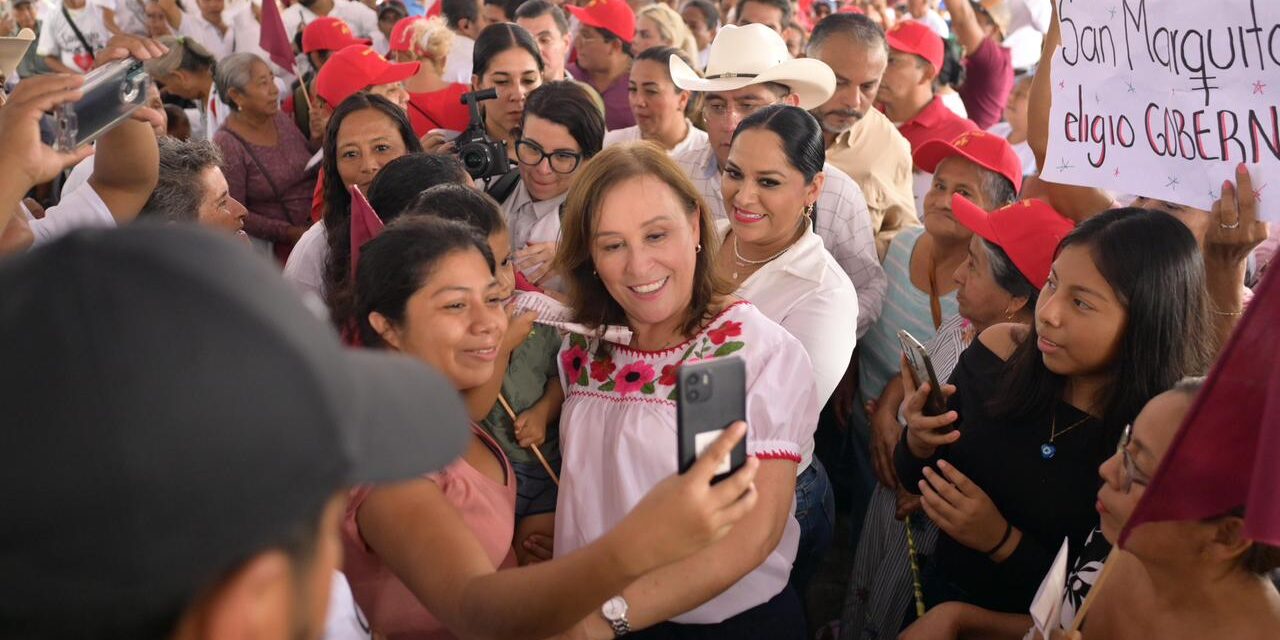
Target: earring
point(699, 249)
point(1008, 314)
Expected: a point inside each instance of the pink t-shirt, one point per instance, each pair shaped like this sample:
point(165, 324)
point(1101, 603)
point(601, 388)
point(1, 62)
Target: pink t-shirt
point(988, 79)
point(488, 508)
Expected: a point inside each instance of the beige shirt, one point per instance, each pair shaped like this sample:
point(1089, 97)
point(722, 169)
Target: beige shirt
point(879, 160)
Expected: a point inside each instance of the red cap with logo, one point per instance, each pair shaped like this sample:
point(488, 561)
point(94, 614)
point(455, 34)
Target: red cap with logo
point(328, 34)
point(401, 35)
point(916, 38)
point(987, 150)
point(355, 69)
point(615, 16)
point(1028, 231)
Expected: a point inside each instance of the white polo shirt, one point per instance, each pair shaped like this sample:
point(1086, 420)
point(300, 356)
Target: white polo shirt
point(362, 20)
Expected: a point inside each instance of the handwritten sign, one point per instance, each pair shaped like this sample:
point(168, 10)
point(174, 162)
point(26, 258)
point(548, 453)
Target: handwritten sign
point(1164, 98)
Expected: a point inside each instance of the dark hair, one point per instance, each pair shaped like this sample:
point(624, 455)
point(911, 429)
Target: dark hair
point(952, 73)
point(400, 181)
point(185, 54)
point(537, 8)
point(508, 7)
point(798, 131)
point(567, 104)
point(396, 264)
point(856, 27)
point(591, 303)
point(500, 37)
point(782, 5)
point(662, 56)
point(709, 11)
point(393, 7)
point(337, 214)
point(462, 204)
point(1153, 263)
point(609, 36)
point(1008, 276)
point(178, 193)
point(455, 11)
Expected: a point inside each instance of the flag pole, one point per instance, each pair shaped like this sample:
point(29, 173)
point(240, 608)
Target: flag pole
point(537, 452)
point(1093, 591)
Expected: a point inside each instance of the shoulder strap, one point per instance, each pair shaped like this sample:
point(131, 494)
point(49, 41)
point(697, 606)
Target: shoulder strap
point(262, 169)
point(501, 189)
point(79, 36)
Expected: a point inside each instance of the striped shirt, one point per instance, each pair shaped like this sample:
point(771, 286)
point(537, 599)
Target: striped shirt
point(905, 307)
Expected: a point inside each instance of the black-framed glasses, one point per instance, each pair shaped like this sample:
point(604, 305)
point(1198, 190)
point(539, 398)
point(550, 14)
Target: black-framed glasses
point(1129, 472)
point(562, 161)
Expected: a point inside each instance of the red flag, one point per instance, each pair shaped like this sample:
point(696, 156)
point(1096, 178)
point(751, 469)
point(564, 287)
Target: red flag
point(365, 226)
point(273, 38)
point(1227, 453)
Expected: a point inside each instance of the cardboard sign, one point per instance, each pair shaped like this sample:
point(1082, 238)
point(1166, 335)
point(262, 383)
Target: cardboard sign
point(1164, 98)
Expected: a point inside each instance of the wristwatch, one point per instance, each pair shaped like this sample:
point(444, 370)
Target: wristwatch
point(615, 613)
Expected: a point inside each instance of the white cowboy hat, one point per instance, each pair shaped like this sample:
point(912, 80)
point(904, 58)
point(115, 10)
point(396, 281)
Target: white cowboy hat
point(12, 49)
point(755, 54)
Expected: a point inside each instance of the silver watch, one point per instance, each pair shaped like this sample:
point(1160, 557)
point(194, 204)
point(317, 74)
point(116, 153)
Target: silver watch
point(615, 613)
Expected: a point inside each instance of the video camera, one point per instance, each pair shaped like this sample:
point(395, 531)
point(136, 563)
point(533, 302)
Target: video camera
point(482, 156)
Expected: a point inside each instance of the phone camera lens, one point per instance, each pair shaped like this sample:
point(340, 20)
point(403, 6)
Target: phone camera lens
point(694, 395)
point(692, 380)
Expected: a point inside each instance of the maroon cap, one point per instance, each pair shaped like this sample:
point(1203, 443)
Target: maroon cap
point(1029, 231)
point(989, 151)
point(328, 34)
point(615, 16)
point(917, 38)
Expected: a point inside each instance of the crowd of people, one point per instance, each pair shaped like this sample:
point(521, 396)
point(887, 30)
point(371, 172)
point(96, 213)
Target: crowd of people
point(366, 319)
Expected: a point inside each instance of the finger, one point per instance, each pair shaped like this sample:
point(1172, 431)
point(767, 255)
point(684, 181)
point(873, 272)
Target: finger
point(704, 468)
point(34, 207)
point(944, 489)
point(961, 482)
point(1248, 210)
point(920, 421)
point(1228, 215)
point(933, 507)
point(149, 116)
point(743, 495)
point(44, 93)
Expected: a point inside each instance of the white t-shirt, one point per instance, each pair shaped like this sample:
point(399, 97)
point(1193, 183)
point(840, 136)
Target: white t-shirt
point(130, 15)
point(57, 38)
point(242, 32)
point(694, 138)
point(1023, 149)
point(362, 20)
point(304, 270)
point(457, 67)
point(937, 23)
point(79, 209)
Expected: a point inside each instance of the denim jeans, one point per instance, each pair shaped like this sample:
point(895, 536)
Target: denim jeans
point(816, 513)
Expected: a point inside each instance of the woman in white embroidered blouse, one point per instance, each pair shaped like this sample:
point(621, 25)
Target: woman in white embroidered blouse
point(638, 249)
point(770, 185)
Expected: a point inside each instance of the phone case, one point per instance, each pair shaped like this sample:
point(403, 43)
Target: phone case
point(711, 395)
point(111, 93)
point(922, 367)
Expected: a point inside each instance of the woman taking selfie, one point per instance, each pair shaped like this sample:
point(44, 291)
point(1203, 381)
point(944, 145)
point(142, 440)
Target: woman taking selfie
point(638, 250)
point(422, 555)
point(1123, 315)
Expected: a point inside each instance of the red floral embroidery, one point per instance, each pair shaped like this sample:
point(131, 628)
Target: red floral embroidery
point(726, 330)
point(668, 374)
point(602, 369)
point(634, 377)
point(573, 359)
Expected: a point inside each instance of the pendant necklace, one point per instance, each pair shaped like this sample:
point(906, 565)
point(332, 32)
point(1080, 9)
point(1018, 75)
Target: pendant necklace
point(1048, 450)
point(745, 262)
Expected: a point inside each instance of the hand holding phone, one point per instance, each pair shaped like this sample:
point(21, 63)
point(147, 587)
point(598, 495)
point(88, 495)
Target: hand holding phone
point(929, 423)
point(710, 396)
point(921, 366)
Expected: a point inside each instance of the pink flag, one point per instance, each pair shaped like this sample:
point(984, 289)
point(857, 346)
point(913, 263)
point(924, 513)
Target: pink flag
point(365, 226)
point(1227, 453)
point(273, 38)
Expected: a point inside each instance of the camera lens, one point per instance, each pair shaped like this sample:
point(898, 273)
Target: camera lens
point(694, 395)
point(691, 380)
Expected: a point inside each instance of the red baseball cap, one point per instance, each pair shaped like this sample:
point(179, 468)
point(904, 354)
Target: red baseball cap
point(852, 9)
point(328, 34)
point(986, 150)
point(615, 16)
point(917, 38)
point(1029, 231)
point(355, 69)
point(401, 37)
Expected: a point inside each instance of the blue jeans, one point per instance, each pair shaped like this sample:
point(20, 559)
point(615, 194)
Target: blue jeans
point(816, 513)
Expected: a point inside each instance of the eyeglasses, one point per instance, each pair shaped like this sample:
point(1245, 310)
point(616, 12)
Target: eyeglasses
point(562, 161)
point(1129, 472)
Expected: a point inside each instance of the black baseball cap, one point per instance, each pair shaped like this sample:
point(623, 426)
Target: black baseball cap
point(171, 408)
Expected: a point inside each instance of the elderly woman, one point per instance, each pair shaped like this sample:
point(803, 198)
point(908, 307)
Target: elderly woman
point(1006, 265)
point(658, 25)
point(639, 249)
point(769, 249)
point(434, 103)
point(186, 71)
point(265, 154)
point(660, 107)
point(561, 128)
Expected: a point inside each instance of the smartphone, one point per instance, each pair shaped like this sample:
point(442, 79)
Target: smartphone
point(922, 370)
point(112, 93)
point(710, 396)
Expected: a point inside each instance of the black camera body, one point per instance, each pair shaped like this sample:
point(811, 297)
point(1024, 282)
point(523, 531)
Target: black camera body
point(482, 156)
